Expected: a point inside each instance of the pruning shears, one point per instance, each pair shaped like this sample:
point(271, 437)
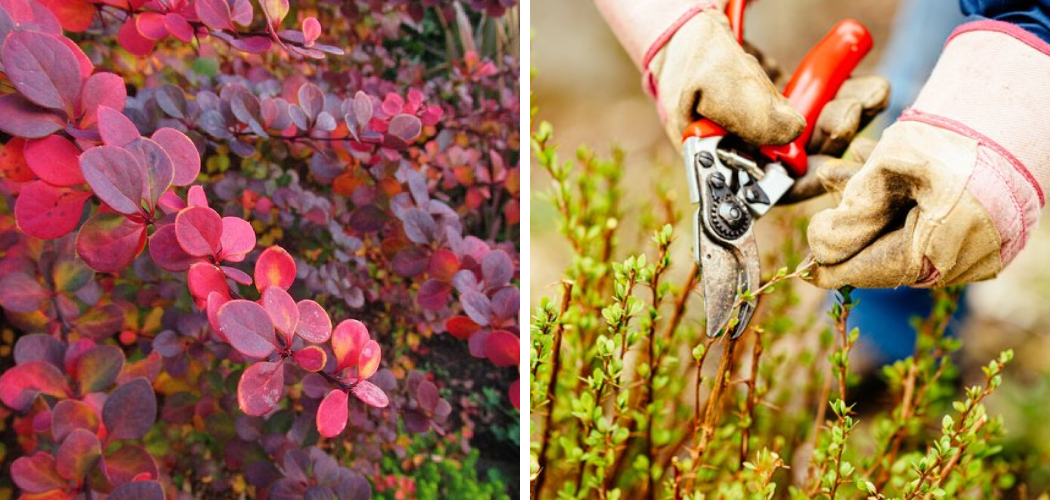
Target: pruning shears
point(734, 183)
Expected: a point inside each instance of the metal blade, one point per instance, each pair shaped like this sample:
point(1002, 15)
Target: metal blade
point(749, 278)
point(720, 282)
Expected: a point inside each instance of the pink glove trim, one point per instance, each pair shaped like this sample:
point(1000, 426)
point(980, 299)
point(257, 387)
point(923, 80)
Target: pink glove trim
point(911, 114)
point(1002, 27)
point(648, 80)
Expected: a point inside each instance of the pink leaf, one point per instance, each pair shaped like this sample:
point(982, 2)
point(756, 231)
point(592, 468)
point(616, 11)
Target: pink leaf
point(236, 275)
point(311, 358)
point(55, 160)
point(179, 27)
point(199, 231)
point(275, 267)
point(260, 388)
point(405, 127)
point(204, 278)
point(151, 25)
point(78, 455)
point(332, 414)
point(252, 44)
point(215, 14)
point(166, 252)
point(20, 384)
point(215, 301)
point(195, 197)
point(25, 119)
point(48, 212)
point(108, 242)
point(238, 238)
point(369, 359)
point(116, 177)
point(314, 323)
point(243, 12)
point(115, 128)
point(370, 394)
point(349, 337)
point(130, 410)
point(86, 68)
point(101, 89)
point(311, 30)
point(133, 42)
point(42, 68)
point(36, 473)
point(183, 155)
point(248, 328)
point(159, 169)
point(282, 310)
point(502, 348)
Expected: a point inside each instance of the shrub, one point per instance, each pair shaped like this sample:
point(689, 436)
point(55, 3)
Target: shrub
point(230, 231)
point(630, 399)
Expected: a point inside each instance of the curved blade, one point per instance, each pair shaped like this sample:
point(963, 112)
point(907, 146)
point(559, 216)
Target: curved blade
point(728, 272)
point(749, 273)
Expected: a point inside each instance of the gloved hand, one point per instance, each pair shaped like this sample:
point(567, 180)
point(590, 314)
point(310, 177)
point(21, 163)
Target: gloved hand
point(694, 67)
point(952, 191)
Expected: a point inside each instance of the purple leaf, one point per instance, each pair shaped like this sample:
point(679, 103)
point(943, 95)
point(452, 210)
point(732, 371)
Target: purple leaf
point(130, 410)
point(160, 170)
point(405, 127)
point(477, 306)
point(38, 347)
point(311, 99)
point(215, 14)
point(362, 109)
point(25, 119)
point(129, 462)
point(116, 177)
point(78, 455)
point(42, 68)
point(183, 153)
point(36, 473)
point(497, 268)
point(419, 226)
point(248, 328)
point(410, 262)
point(21, 293)
point(138, 490)
point(506, 303)
point(70, 415)
point(166, 252)
point(115, 128)
point(433, 295)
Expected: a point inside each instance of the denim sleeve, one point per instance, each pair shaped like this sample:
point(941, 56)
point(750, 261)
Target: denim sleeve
point(1031, 15)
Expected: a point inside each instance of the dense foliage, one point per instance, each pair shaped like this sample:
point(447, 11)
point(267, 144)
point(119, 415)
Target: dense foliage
point(234, 237)
point(630, 399)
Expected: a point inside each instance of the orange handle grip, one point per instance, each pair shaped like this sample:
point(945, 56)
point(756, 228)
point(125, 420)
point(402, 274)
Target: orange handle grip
point(816, 81)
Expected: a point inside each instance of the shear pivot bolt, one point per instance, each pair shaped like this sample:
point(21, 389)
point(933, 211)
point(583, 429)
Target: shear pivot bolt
point(730, 212)
point(705, 158)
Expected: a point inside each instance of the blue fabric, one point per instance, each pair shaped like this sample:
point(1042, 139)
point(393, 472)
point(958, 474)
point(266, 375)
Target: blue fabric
point(1032, 15)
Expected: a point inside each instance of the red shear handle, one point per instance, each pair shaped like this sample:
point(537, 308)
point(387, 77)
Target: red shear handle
point(816, 81)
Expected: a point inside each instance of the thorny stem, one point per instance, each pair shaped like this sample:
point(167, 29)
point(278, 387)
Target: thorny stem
point(552, 384)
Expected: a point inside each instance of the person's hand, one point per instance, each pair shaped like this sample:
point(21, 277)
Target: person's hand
point(951, 192)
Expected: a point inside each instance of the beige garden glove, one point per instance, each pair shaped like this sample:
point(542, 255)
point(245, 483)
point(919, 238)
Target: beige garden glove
point(952, 191)
point(694, 67)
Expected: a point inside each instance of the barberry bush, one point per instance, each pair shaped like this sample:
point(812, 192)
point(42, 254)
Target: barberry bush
point(631, 400)
point(250, 248)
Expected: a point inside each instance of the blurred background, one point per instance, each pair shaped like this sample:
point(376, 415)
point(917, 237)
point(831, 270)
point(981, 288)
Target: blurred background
point(587, 87)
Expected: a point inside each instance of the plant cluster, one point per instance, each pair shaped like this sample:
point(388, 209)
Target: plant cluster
point(154, 152)
point(630, 399)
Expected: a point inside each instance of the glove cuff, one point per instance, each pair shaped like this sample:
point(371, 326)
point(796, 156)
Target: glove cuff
point(648, 78)
point(990, 85)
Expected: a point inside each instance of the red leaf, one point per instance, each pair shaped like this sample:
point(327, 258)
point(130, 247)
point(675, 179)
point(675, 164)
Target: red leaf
point(282, 310)
point(311, 358)
point(427, 396)
point(42, 68)
point(204, 278)
point(275, 267)
point(461, 327)
point(101, 89)
point(78, 455)
point(314, 323)
point(86, 68)
point(151, 25)
point(47, 212)
point(108, 241)
point(166, 252)
point(130, 410)
point(133, 42)
point(20, 384)
point(36, 473)
point(311, 30)
point(368, 362)
point(502, 348)
point(370, 394)
point(183, 155)
point(515, 393)
point(433, 294)
point(55, 160)
point(178, 26)
point(214, 302)
point(260, 388)
point(238, 238)
point(74, 15)
point(115, 128)
point(443, 265)
point(248, 328)
point(332, 414)
point(13, 161)
point(199, 231)
point(128, 462)
point(69, 415)
point(215, 14)
point(349, 337)
point(115, 175)
point(25, 119)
